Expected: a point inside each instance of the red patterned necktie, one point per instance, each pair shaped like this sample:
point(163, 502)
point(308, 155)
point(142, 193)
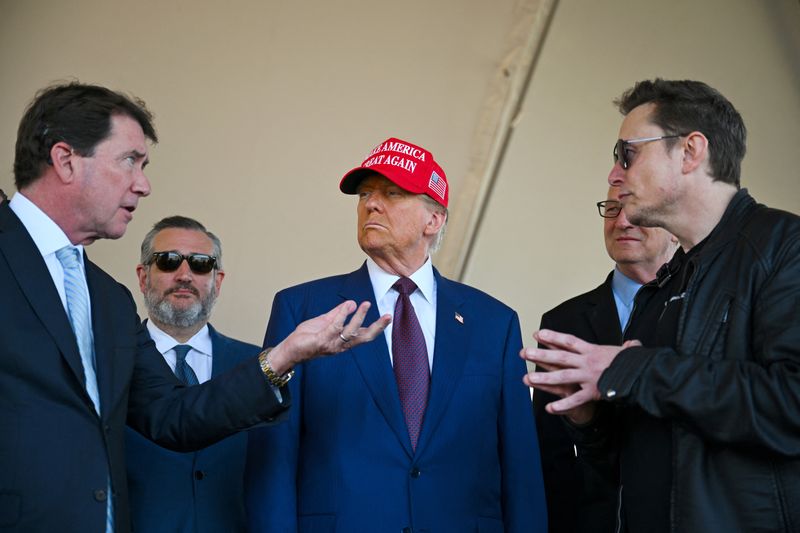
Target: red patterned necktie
point(410, 358)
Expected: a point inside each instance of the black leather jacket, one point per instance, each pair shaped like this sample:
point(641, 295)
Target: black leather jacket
point(731, 389)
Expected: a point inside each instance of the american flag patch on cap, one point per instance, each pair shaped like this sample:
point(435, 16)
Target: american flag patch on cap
point(437, 184)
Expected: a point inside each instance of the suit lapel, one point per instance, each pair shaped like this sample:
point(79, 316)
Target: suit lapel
point(102, 331)
point(372, 359)
point(219, 362)
point(603, 316)
point(449, 354)
point(30, 271)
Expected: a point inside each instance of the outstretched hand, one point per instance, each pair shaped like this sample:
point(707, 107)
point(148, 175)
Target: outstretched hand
point(327, 334)
point(573, 369)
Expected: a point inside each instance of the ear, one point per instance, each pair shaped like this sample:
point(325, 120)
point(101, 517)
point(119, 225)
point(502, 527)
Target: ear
point(436, 220)
point(218, 277)
point(141, 273)
point(63, 159)
point(695, 152)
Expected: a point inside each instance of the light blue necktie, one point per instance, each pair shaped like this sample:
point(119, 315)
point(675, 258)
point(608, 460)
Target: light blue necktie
point(182, 368)
point(78, 309)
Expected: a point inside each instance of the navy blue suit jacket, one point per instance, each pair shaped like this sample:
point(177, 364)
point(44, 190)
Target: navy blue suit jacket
point(56, 453)
point(195, 492)
point(579, 499)
point(344, 463)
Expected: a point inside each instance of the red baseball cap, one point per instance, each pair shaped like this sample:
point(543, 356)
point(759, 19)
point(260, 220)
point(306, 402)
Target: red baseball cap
point(408, 166)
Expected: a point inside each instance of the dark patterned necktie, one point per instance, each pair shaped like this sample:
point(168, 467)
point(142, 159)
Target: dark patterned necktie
point(410, 357)
point(182, 368)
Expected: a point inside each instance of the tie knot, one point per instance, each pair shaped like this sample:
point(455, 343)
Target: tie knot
point(68, 256)
point(181, 350)
point(404, 286)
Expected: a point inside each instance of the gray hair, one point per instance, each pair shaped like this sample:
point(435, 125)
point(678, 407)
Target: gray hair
point(181, 222)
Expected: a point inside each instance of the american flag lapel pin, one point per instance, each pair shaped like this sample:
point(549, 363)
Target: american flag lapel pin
point(459, 318)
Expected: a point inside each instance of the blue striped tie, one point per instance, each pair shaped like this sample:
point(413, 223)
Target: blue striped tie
point(78, 308)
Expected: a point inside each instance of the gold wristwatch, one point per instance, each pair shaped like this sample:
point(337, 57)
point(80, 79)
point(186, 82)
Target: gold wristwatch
point(272, 376)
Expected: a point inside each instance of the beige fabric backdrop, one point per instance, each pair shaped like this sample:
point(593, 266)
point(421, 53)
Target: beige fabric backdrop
point(262, 105)
point(541, 239)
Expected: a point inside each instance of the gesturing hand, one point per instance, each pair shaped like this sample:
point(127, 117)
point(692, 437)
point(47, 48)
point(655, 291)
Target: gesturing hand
point(326, 334)
point(574, 367)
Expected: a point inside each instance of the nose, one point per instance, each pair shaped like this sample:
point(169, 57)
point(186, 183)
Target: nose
point(622, 222)
point(617, 175)
point(141, 185)
point(373, 201)
point(184, 273)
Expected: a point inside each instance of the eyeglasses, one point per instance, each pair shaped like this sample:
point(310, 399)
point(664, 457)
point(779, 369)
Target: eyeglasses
point(621, 148)
point(609, 208)
point(171, 261)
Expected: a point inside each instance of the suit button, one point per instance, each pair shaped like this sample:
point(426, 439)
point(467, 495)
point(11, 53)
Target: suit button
point(415, 473)
point(199, 474)
point(407, 530)
point(107, 429)
point(100, 495)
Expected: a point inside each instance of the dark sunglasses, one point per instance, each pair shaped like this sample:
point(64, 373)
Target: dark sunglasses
point(621, 148)
point(171, 261)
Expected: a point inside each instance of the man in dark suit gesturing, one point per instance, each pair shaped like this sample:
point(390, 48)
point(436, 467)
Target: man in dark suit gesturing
point(578, 499)
point(76, 363)
point(427, 430)
point(180, 275)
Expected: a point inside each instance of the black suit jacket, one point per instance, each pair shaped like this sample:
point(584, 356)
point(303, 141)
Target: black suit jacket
point(579, 499)
point(56, 453)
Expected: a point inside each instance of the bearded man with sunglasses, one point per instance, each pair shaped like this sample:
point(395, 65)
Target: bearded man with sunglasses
point(76, 363)
point(708, 420)
point(180, 275)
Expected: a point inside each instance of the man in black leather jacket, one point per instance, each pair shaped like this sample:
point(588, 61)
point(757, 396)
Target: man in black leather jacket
point(707, 425)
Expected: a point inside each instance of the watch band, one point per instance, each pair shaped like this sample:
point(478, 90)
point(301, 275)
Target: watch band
point(273, 377)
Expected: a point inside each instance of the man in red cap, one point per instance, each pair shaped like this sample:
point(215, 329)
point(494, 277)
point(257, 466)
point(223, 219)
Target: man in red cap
point(429, 431)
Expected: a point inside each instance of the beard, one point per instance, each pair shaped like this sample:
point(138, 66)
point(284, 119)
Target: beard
point(162, 310)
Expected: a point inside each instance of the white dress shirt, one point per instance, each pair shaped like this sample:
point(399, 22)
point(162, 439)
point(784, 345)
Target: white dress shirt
point(423, 299)
point(199, 357)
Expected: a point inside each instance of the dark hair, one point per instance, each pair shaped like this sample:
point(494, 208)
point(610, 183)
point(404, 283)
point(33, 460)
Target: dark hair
point(177, 221)
point(74, 113)
point(683, 106)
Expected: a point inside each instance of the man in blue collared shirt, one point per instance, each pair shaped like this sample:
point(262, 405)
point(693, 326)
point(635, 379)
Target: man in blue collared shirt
point(600, 316)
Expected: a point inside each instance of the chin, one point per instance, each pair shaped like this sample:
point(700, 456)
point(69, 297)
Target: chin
point(367, 244)
point(114, 232)
point(183, 302)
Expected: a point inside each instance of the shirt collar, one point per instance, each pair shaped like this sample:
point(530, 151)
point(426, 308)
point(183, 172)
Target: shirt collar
point(46, 234)
point(382, 281)
point(200, 342)
point(624, 287)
